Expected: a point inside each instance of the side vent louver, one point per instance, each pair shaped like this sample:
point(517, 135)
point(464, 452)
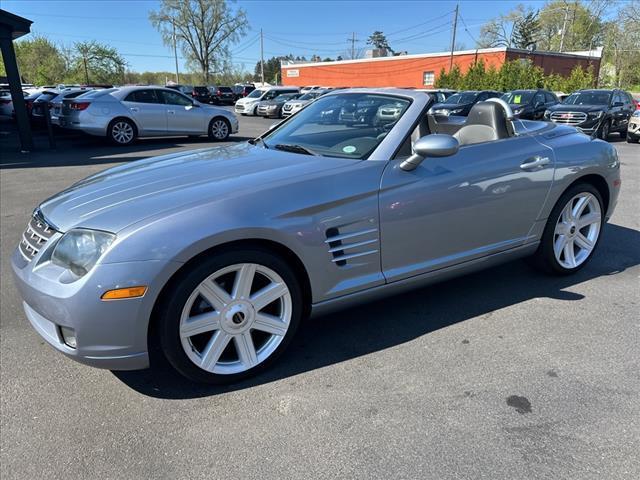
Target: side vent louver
point(346, 246)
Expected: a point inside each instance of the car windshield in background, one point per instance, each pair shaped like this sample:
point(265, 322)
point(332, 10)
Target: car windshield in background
point(461, 98)
point(204, 90)
point(308, 96)
point(588, 98)
point(348, 125)
point(225, 89)
point(256, 94)
point(518, 98)
point(287, 96)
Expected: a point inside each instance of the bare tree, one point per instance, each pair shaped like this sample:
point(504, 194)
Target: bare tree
point(204, 30)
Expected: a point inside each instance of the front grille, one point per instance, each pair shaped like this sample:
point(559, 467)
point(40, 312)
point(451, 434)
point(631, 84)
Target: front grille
point(287, 107)
point(35, 236)
point(568, 118)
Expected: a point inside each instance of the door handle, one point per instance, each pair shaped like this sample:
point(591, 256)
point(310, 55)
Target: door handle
point(134, 109)
point(534, 163)
point(171, 112)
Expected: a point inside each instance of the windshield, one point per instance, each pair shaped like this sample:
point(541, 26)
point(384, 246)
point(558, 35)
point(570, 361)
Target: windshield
point(518, 98)
point(457, 98)
point(588, 98)
point(348, 125)
point(286, 97)
point(256, 94)
point(308, 96)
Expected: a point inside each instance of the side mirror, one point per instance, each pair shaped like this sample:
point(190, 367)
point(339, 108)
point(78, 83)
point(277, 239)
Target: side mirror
point(434, 145)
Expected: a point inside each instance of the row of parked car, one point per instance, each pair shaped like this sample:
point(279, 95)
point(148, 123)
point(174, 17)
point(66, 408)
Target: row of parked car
point(125, 113)
point(215, 95)
point(598, 112)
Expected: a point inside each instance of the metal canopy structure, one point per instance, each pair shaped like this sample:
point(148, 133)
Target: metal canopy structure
point(12, 27)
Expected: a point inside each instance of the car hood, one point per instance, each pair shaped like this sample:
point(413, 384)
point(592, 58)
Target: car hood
point(245, 100)
point(519, 105)
point(127, 194)
point(577, 108)
point(449, 106)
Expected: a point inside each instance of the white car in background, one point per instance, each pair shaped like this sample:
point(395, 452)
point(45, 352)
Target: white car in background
point(249, 104)
point(293, 106)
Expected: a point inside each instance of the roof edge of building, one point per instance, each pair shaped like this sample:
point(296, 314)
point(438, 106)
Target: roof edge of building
point(443, 54)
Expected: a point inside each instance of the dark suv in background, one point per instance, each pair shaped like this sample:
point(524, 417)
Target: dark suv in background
point(222, 95)
point(201, 94)
point(240, 91)
point(598, 112)
point(530, 104)
point(460, 103)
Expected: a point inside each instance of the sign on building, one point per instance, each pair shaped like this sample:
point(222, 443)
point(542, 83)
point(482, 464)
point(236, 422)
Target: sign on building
point(293, 72)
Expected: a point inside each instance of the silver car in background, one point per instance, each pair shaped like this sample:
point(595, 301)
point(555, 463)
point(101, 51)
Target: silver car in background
point(293, 106)
point(249, 105)
point(214, 257)
point(124, 114)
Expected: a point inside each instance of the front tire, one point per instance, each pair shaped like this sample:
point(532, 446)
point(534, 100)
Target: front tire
point(605, 130)
point(231, 316)
point(572, 232)
point(219, 129)
point(121, 131)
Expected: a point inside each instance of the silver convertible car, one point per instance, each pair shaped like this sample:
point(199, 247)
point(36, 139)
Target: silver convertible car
point(214, 257)
point(126, 113)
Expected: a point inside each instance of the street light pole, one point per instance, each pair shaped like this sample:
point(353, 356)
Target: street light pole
point(261, 58)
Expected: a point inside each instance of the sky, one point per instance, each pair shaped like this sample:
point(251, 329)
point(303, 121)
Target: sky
point(298, 27)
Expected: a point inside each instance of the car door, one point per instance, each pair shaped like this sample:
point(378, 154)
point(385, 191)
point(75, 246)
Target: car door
point(148, 111)
point(184, 116)
point(484, 199)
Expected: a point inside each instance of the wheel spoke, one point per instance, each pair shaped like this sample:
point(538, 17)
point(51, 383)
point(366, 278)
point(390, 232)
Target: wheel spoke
point(267, 295)
point(214, 349)
point(244, 281)
point(583, 242)
point(559, 245)
point(579, 207)
point(213, 294)
point(205, 322)
point(569, 256)
point(562, 228)
point(269, 324)
point(588, 219)
point(246, 350)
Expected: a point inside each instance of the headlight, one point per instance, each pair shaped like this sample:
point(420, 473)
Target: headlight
point(636, 113)
point(547, 113)
point(80, 249)
point(457, 110)
point(518, 110)
point(595, 114)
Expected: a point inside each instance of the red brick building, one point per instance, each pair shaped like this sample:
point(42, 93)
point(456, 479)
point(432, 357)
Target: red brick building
point(421, 70)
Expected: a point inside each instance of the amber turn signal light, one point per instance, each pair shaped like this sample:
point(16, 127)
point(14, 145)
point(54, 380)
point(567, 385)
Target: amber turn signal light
point(122, 293)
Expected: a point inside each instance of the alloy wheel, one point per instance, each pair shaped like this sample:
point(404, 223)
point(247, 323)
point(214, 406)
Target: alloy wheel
point(122, 132)
point(577, 230)
point(219, 130)
point(235, 319)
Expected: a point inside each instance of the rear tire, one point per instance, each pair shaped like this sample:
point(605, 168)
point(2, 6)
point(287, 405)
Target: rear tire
point(234, 335)
point(573, 231)
point(122, 131)
point(219, 129)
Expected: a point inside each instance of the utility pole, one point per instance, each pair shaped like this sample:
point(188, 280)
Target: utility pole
point(261, 58)
point(175, 51)
point(453, 37)
point(564, 26)
point(353, 45)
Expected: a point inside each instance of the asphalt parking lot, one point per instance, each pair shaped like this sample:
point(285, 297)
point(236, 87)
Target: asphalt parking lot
point(506, 373)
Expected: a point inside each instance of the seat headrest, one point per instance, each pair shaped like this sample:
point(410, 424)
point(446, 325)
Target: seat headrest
point(490, 114)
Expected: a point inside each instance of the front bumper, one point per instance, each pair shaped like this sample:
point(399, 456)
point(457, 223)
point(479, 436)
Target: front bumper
point(109, 334)
point(246, 108)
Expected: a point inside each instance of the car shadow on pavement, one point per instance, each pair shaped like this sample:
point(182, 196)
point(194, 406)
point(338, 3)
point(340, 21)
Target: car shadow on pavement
point(383, 324)
point(76, 149)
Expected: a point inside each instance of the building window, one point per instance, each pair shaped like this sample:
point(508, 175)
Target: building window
point(428, 78)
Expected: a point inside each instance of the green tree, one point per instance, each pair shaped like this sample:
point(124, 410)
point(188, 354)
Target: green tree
point(204, 30)
point(578, 79)
point(475, 78)
point(378, 40)
point(94, 62)
point(526, 30)
point(504, 30)
point(621, 55)
point(571, 25)
point(40, 61)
